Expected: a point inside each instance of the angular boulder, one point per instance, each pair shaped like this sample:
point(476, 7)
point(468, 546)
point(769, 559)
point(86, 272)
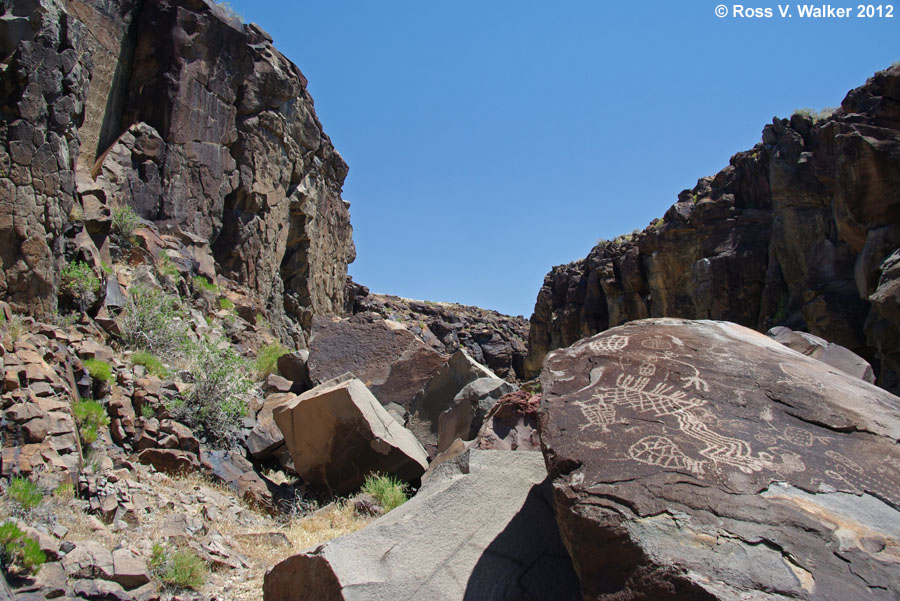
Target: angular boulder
point(832, 354)
point(511, 424)
point(481, 528)
point(388, 358)
point(470, 406)
point(438, 393)
point(338, 433)
point(703, 460)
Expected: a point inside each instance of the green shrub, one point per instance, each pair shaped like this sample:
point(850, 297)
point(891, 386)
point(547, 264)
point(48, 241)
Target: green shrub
point(267, 359)
point(261, 321)
point(226, 304)
point(25, 493)
point(15, 326)
point(64, 491)
point(91, 417)
point(78, 280)
point(165, 267)
point(151, 321)
point(125, 221)
point(20, 552)
point(201, 283)
point(181, 568)
point(389, 491)
point(99, 370)
point(147, 411)
point(150, 361)
point(217, 401)
point(814, 114)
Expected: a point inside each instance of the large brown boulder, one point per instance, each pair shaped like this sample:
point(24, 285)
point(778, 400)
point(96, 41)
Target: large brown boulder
point(338, 433)
point(797, 231)
point(480, 528)
point(392, 362)
point(703, 460)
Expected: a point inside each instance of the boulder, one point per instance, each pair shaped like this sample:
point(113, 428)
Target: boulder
point(703, 460)
point(338, 433)
point(129, 570)
point(512, 424)
point(829, 353)
point(480, 528)
point(89, 559)
point(293, 367)
point(389, 359)
point(438, 393)
point(470, 406)
point(265, 437)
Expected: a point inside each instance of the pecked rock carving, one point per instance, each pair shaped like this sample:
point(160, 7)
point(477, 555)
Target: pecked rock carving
point(678, 447)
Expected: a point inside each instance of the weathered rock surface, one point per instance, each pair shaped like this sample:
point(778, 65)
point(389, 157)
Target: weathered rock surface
point(389, 359)
point(464, 418)
point(481, 527)
point(799, 231)
point(338, 433)
point(512, 424)
point(818, 348)
point(491, 338)
point(703, 460)
point(191, 118)
point(438, 394)
point(44, 79)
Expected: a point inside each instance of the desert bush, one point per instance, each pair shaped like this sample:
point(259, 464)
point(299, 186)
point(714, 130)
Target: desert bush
point(78, 280)
point(267, 359)
point(150, 361)
point(226, 304)
point(388, 490)
point(203, 284)
point(20, 553)
point(217, 401)
point(91, 418)
point(125, 221)
point(24, 493)
point(15, 325)
point(99, 370)
point(181, 568)
point(151, 321)
point(165, 267)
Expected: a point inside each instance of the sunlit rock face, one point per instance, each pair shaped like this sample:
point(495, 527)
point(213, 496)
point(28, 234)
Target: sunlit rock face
point(802, 230)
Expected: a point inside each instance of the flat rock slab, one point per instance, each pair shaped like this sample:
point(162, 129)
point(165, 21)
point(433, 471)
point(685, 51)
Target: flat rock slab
point(481, 528)
point(338, 433)
point(703, 460)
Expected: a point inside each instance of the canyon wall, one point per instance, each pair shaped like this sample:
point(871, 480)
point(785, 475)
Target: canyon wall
point(184, 113)
point(802, 230)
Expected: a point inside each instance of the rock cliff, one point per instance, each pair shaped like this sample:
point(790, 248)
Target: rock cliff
point(802, 230)
point(180, 111)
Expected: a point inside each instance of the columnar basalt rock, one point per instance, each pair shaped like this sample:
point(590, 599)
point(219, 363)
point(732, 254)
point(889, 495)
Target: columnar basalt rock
point(195, 121)
point(797, 231)
point(44, 75)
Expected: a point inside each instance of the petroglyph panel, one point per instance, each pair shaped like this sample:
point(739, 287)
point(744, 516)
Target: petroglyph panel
point(714, 406)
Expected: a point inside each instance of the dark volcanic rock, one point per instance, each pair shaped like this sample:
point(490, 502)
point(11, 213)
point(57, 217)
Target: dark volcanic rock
point(192, 119)
point(702, 460)
point(43, 84)
point(797, 231)
point(491, 338)
point(389, 359)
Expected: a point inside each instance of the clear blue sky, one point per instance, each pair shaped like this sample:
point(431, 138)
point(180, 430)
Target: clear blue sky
point(489, 141)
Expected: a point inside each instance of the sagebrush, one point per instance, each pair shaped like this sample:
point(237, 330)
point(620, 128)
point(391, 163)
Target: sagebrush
point(151, 320)
point(217, 401)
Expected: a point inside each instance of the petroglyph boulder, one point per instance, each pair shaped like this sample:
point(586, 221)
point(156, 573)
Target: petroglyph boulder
point(703, 460)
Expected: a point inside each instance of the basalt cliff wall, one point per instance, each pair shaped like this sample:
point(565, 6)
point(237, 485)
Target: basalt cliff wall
point(192, 118)
point(802, 230)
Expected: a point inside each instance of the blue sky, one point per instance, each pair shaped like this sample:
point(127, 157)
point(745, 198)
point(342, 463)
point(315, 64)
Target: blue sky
point(489, 141)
